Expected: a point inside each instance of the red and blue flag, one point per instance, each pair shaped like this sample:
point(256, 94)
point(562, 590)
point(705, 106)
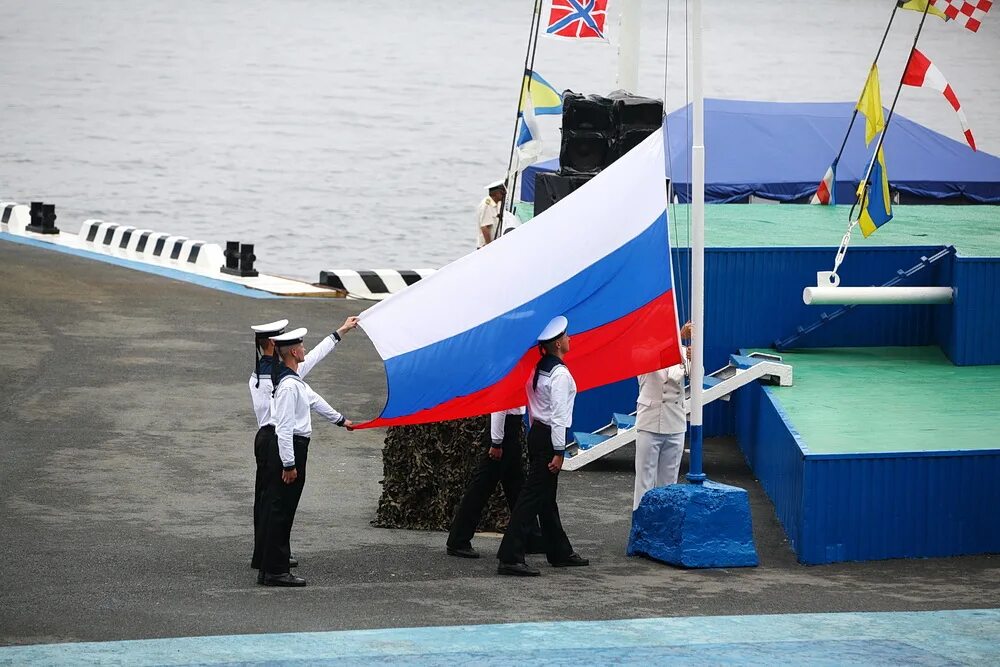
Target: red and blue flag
point(577, 19)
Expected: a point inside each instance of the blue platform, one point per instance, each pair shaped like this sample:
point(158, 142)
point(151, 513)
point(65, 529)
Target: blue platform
point(837, 507)
point(753, 297)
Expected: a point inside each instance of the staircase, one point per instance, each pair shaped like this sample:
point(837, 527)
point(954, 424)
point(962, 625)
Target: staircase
point(741, 370)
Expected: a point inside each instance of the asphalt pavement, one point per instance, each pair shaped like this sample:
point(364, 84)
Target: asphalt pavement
point(126, 477)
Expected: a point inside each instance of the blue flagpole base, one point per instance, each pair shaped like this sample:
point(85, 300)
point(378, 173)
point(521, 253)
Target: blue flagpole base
point(694, 525)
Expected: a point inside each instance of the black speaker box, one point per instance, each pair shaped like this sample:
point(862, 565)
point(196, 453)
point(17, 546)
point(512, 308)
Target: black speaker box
point(584, 152)
point(627, 140)
point(634, 112)
point(550, 187)
point(591, 113)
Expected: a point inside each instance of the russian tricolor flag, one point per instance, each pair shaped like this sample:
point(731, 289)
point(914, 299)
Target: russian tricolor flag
point(462, 341)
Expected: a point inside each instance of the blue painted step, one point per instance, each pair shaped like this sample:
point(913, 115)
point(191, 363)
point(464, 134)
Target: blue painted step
point(588, 440)
point(623, 421)
point(744, 362)
point(710, 382)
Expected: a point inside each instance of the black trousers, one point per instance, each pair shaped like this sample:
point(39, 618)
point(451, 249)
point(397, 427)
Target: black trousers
point(538, 497)
point(278, 505)
point(507, 471)
point(262, 442)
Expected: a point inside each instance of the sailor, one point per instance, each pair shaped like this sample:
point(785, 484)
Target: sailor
point(285, 466)
point(488, 212)
point(660, 422)
point(500, 463)
point(551, 392)
point(260, 396)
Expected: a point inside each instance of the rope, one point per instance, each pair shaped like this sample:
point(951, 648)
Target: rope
point(865, 186)
point(523, 89)
point(682, 293)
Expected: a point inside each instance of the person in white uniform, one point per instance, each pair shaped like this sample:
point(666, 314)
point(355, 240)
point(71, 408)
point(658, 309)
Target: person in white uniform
point(488, 212)
point(551, 392)
point(260, 398)
point(285, 472)
point(661, 423)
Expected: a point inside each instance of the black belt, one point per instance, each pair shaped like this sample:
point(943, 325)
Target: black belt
point(267, 427)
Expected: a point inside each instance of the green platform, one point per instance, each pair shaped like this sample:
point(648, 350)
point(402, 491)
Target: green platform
point(890, 399)
point(973, 230)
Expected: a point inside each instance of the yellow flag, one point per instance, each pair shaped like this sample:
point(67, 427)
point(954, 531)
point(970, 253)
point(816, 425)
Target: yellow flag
point(919, 6)
point(870, 105)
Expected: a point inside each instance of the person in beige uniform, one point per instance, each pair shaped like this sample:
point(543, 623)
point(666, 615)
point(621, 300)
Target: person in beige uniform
point(488, 212)
point(661, 423)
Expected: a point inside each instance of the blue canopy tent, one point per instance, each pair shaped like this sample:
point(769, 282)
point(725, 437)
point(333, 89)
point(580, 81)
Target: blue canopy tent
point(780, 151)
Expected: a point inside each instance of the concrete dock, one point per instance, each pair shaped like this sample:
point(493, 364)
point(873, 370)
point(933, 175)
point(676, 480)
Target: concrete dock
point(127, 474)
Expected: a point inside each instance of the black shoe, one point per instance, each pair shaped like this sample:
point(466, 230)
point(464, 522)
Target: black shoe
point(464, 552)
point(573, 560)
point(286, 579)
point(517, 570)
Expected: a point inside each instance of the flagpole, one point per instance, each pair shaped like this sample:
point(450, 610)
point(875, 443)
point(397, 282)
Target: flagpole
point(529, 64)
point(871, 165)
point(530, 73)
point(695, 474)
point(854, 116)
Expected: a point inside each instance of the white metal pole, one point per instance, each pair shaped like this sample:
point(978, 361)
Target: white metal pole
point(628, 45)
point(696, 474)
point(824, 296)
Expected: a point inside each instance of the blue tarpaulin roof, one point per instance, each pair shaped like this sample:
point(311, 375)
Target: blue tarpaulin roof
point(780, 150)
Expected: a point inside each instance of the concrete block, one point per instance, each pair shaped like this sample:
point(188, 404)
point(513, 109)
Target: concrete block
point(694, 525)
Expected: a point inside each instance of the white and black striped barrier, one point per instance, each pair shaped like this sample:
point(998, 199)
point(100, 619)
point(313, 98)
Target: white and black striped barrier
point(373, 284)
point(147, 247)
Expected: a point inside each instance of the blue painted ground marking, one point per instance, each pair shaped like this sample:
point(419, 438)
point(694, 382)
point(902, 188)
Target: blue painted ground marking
point(204, 281)
point(967, 637)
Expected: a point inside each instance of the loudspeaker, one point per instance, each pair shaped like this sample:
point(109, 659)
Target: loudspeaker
point(584, 152)
point(627, 140)
point(592, 113)
point(551, 187)
point(634, 112)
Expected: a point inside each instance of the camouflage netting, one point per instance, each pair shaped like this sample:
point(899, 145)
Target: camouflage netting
point(426, 469)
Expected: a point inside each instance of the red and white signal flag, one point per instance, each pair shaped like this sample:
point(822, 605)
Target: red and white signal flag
point(969, 13)
point(922, 73)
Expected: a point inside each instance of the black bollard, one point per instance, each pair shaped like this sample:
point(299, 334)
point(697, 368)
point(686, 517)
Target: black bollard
point(246, 260)
point(232, 255)
point(239, 260)
point(43, 218)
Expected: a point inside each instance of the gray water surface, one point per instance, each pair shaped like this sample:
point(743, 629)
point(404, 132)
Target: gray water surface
point(337, 134)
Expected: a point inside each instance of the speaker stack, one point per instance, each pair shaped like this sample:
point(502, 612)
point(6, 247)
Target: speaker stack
point(596, 131)
point(635, 119)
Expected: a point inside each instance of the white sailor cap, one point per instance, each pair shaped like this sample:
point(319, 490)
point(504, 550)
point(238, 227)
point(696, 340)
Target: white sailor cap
point(293, 337)
point(554, 329)
point(269, 329)
point(496, 184)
